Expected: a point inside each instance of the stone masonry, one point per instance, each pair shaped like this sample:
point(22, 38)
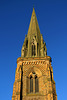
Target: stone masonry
point(34, 73)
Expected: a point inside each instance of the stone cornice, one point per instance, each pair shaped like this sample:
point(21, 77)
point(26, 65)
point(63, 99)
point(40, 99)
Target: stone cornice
point(32, 59)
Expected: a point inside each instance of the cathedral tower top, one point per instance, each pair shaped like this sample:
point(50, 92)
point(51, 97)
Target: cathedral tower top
point(34, 45)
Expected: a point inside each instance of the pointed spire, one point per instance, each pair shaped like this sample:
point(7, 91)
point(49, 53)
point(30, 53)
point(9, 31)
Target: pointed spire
point(33, 45)
point(33, 27)
point(33, 13)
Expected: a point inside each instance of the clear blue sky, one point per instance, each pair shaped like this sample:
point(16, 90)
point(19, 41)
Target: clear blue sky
point(14, 22)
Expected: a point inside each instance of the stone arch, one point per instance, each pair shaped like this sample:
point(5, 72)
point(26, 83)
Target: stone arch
point(34, 69)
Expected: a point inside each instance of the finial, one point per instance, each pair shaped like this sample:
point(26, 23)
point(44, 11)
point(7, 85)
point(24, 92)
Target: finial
point(33, 11)
point(33, 6)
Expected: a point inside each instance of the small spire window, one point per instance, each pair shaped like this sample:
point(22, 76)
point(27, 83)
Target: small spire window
point(33, 50)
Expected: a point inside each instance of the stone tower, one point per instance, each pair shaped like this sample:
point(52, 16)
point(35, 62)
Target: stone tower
point(34, 73)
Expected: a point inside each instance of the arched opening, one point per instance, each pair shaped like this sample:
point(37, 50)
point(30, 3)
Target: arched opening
point(36, 84)
point(33, 77)
point(31, 84)
point(33, 50)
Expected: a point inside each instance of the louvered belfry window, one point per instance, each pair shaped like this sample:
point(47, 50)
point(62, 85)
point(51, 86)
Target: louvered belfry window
point(36, 84)
point(33, 50)
point(31, 84)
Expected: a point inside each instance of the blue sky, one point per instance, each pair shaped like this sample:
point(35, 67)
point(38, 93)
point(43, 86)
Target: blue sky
point(14, 22)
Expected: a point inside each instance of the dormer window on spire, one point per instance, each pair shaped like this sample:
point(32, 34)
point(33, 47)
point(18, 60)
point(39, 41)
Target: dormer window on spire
point(33, 50)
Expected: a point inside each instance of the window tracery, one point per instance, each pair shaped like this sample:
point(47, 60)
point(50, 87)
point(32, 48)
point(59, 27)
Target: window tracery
point(33, 83)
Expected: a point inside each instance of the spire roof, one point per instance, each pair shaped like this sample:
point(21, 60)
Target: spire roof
point(33, 27)
point(33, 44)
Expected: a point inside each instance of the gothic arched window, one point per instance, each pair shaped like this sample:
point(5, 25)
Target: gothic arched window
point(31, 84)
point(33, 50)
point(36, 84)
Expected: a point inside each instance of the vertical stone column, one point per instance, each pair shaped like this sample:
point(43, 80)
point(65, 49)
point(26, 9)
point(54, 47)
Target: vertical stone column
point(40, 79)
point(24, 85)
point(36, 49)
point(28, 85)
point(13, 96)
point(28, 45)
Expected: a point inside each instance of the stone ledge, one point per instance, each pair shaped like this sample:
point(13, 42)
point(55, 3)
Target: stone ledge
point(34, 58)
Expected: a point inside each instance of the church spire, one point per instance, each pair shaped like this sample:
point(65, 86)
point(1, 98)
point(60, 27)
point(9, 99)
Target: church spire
point(34, 73)
point(33, 27)
point(34, 46)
